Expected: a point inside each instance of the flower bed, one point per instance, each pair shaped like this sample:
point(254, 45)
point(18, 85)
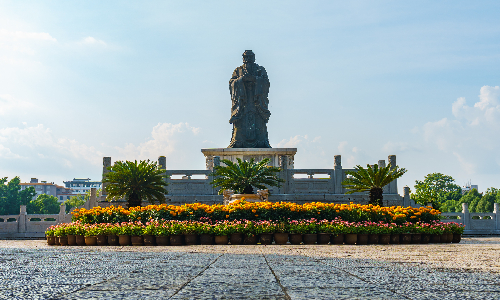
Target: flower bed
point(242, 210)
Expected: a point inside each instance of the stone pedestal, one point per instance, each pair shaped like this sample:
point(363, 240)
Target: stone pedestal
point(247, 153)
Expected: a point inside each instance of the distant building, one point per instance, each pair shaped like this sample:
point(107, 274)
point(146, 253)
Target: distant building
point(469, 187)
point(82, 185)
point(49, 188)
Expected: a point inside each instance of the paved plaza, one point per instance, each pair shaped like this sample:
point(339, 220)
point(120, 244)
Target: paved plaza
point(470, 270)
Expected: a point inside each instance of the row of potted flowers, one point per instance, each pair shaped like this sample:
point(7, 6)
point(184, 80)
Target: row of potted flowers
point(190, 232)
point(271, 211)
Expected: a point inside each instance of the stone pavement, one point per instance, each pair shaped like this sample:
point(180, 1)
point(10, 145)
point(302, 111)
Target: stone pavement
point(469, 270)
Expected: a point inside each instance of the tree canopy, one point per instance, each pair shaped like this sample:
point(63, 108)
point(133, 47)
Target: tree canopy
point(43, 204)
point(436, 188)
point(11, 196)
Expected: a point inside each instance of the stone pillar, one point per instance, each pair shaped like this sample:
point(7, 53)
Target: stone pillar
point(93, 199)
point(62, 214)
point(337, 174)
point(162, 162)
point(496, 211)
point(393, 186)
point(22, 219)
point(406, 197)
point(106, 162)
point(284, 164)
point(386, 189)
point(215, 163)
point(465, 216)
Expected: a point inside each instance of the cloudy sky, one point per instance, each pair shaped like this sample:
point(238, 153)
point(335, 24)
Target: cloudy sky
point(364, 79)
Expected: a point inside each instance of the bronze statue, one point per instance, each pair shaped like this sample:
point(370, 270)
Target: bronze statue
point(249, 88)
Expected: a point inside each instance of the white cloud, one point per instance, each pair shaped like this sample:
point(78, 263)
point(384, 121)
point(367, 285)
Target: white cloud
point(9, 104)
point(6, 35)
point(92, 41)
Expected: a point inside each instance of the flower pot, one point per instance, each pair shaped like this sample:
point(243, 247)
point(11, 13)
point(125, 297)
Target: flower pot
point(176, 240)
point(266, 238)
point(221, 240)
point(63, 240)
point(149, 240)
point(456, 238)
point(373, 239)
point(280, 238)
point(416, 238)
point(384, 239)
point(124, 240)
point(362, 239)
point(51, 240)
point(405, 238)
point(248, 197)
point(448, 238)
point(310, 238)
point(80, 240)
point(394, 238)
point(137, 240)
point(90, 240)
point(206, 239)
point(350, 238)
point(323, 238)
point(435, 238)
point(337, 239)
point(425, 239)
point(236, 238)
point(113, 240)
point(295, 238)
point(162, 240)
point(71, 240)
point(102, 240)
point(191, 239)
point(250, 240)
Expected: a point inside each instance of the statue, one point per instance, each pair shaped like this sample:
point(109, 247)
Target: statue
point(249, 88)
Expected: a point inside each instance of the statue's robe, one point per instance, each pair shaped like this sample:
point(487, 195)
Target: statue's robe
point(249, 111)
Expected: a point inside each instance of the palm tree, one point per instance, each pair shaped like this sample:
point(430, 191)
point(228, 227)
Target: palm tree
point(136, 182)
point(371, 179)
point(245, 175)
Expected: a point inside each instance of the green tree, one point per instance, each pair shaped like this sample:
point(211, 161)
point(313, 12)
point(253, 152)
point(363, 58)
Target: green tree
point(372, 179)
point(136, 182)
point(436, 188)
point(74, 201)
point(244, 176)
point(43, 204)
point(473, 197)
point(11, 196)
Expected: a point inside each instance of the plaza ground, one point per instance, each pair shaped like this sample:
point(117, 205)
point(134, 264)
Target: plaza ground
point(30, 269)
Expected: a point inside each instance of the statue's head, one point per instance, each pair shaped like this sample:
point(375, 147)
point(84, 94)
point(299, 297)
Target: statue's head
point(248, 57)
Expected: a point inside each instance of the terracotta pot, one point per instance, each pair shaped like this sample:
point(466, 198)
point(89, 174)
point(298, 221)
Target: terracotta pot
point(63, 240)
point(102, 240)
point(295, 238)
point(280, 238)
point(248, 197)
point(435, 238)
point(362, 239)
point(310, 238)
point(266, 238)
point(350, 238)
point(448, 238)
point(191, 239)
point(384, 239)
point(162, 240)
point(221, 240)
point(337, 239)
point(90, 240)
point(416, 238)
point(149, 240)
point(250, 240)
point(456, 238)
point(51, 240)
point(425, 239)
point(405, 238)
point(113, 240)
point(206, 239)
point(137, 240)
point(176, 240)
point(124, 240)
point(394, 238)
point(71, 240)
point(80, 240)
point(323, 238)
point(236, 238)
point(373, 238)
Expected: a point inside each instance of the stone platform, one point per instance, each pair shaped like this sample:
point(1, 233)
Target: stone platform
point(247, 153)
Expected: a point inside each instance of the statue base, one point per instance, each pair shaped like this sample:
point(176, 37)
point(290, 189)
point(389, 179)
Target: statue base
point(258, 154)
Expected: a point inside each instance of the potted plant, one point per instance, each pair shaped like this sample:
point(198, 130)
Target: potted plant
point(190, 232)
point(150, 233)
point(243, 177)
point(60, 233)
point(80, 234)
point(221, 230)
point(101, 235)
point(91, 232)
point(458, 230)
point(265, 230)
point(124, 233)
point(176, 233)
point(250, 233)
point(310, 236)
point(50, 234)
point(295, 229)
point(206, 232)
point(162, 234)
point(324, 232)
point(280, 233)
point(112, 234)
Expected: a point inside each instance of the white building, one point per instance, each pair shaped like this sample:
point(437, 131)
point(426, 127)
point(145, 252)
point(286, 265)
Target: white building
point(49, 188)
point(82, 185)
point(469, 187)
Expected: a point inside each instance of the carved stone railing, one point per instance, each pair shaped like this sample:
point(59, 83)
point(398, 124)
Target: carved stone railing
point(476, 223)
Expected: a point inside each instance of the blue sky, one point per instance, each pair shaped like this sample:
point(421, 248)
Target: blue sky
point(364, 79)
